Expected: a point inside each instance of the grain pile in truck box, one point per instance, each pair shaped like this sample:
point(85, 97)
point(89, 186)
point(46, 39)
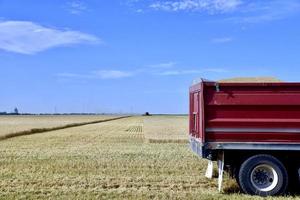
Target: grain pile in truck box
point(266, 79)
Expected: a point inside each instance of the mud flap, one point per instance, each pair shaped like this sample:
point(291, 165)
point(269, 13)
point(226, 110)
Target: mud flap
point(221, 169)
point(209, 170)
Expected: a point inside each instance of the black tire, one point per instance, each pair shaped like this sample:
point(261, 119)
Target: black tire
point(263, 175)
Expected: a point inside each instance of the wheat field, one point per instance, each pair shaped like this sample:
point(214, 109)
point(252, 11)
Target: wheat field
point(11, 124)
point(109, 160)
point(158, 129)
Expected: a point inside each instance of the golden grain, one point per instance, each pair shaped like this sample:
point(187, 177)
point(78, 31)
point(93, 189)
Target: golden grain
point(108, 160)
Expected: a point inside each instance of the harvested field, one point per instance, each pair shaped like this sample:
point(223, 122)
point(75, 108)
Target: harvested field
point(21, 123)
point(166, 129)
point(109, 160)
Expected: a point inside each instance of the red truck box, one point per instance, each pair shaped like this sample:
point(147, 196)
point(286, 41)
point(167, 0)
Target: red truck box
point(254, 126)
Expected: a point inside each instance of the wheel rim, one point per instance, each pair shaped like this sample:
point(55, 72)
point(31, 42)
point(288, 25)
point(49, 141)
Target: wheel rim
point(264, 178)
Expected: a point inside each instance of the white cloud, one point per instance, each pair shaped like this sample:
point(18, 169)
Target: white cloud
point(99, 74)
point(26, 37)
point(179, 72)
point(265, 11)
point(191, 71)
point(216, 70)
point(211, 6)
point(113, 74)
point(241, 11)
point(222, 40)
point(119, 74)
point(163, 65)
point(77, 7)
point(72, 75)
point(139, 11)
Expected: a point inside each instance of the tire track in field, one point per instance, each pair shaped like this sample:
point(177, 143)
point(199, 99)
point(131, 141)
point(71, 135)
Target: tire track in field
point(43, 130)
point(135, 130)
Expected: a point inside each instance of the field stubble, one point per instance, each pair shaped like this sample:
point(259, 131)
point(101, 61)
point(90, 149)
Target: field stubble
point(166, 129)
point(108, 160)
point(12, 124)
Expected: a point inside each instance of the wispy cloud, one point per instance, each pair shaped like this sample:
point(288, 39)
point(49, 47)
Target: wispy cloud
point(76, 7)
point(27, 37)
point(120, 74)
point(74, 75)
point(113, 74)
point(241, 11)
point(222, 40)
point(163, 65)
point(171, 69)
point(191, 71)
point(216, 70)
point(211, 6)
point(99, 74)
point(264, 11)
point(179, 72)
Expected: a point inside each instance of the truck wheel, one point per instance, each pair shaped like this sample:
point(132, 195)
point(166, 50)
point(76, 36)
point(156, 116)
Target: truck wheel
point(263, 175)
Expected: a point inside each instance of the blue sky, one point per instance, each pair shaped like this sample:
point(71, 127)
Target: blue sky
point(138, 55)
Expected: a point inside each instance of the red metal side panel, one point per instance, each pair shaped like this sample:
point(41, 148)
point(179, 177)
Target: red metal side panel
point(252, 113)
point(201, 114)
point(196, 112)
point(191, 127)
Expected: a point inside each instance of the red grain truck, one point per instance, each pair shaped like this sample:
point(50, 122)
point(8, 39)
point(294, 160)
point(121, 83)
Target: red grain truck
point(251, 129)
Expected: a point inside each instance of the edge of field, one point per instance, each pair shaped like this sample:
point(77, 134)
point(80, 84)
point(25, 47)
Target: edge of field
point(42, 130)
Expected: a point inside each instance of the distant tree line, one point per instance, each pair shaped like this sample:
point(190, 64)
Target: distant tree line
point(15, 112)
